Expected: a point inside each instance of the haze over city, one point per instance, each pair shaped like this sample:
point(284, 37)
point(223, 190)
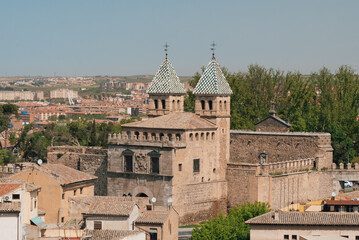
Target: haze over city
point(126, 37)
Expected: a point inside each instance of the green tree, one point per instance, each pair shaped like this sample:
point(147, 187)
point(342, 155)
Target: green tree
point(6, 110)
point(6, 157)
point(232, 226)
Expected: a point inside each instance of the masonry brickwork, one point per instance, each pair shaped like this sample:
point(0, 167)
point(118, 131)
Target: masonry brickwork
point(90, 160)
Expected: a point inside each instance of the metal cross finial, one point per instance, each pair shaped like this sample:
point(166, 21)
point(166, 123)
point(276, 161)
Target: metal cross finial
point(166, 48)
point(212, 48)
point(272, 108)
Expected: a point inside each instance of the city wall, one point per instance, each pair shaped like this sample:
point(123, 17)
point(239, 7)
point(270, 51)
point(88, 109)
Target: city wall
point(246, 183)
point(90, 160)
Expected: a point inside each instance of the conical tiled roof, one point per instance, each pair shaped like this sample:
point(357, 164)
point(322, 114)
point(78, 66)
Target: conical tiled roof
point(166, 80)
point(213, 81)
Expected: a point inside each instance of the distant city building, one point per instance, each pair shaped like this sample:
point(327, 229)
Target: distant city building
point(63, 93)
point(21, 95)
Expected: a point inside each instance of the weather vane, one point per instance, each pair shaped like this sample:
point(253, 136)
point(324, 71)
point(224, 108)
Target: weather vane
point(212, 48)
point(166, 48)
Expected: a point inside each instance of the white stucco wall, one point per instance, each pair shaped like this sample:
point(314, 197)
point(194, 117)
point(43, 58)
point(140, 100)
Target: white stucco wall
point(9, 229)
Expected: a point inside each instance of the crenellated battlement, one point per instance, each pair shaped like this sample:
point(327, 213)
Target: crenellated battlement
point(146, 139)
point(279, 168)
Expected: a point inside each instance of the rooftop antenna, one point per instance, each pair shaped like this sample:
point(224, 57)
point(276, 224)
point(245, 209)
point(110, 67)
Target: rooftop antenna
point(213, 48)
point(166, 49)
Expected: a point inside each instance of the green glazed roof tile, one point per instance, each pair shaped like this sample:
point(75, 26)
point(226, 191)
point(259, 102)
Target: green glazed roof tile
point(166, 80)
point(213, 81)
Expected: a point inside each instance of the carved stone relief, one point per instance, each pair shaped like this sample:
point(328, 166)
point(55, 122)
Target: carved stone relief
point(141, 163)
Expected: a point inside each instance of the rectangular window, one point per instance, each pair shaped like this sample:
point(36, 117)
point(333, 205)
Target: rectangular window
point(294, 237)
point(180, 167)
point(155, 165)
point(128, 163)
point(16, 196)
point(286, 237)
point(153, 233)
point(62, 219)
point(356, 237)
point(195, 165)
point(63, 196)
point(97, 225)
point(345, 236)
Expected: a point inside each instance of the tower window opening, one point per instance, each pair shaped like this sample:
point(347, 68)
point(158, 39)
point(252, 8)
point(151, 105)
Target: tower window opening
point(162, 136)
point(207, 136)
point(178, 105)
point(225, 105)
point(178, 137)
point(202, 104)
point(156, 104)
point(137, 135)
point(220, 105)
point(197, 136)
point(191, 137)
point(210, 105)
point(173, 105)
point(163, 104)
point(202, 136)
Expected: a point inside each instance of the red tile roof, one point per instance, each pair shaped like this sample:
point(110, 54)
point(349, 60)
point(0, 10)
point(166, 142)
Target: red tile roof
point(153, 217)
point(10, 207)
point(6, 188)
point(307, 218)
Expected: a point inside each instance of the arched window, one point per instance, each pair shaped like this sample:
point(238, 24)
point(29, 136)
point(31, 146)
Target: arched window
point(153, 136)
point(145, 136)
point(163, 104)
point(178, 105)
point(161, 136)
point(137, 135)
point(169, 137)
point(220, 105)
point(128, 135)
point(207, 136)
point(202, 136)
point(156, 104)
point(197, 136)
point(202, 104)
point(225, 105)
point(191, 136)
point(210, 104)
point(173, 105)
point(178, 137)
point(213, 136)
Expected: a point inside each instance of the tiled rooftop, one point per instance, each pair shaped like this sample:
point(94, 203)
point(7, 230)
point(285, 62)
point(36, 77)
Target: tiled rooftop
point(166, 80)
point(64, 174)
point(108, 205)
point(213, 81)
point(307, 218)
point(152, 217)
point(8, 187)
point(175, 120)
point(10, 207)
point(109, 234)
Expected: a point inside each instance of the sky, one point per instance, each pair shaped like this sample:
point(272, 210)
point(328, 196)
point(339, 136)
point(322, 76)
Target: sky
point(119, 38)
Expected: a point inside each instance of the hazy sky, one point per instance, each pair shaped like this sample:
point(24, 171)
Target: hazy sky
point(85, 37)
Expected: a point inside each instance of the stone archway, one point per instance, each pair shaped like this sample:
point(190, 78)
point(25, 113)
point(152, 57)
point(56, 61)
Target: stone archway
point(142, 192)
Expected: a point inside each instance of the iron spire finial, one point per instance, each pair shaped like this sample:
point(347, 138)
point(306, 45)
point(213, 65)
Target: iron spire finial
point(212, 48)
point(166, 49)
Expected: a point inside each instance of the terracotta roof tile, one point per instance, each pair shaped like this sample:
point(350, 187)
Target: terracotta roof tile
point(307, 218)
point(107, 205)
point(175, 120)
point(10, 207)
point(65, 175)
point(109, 234)
point(152, 217)
point(6, 188)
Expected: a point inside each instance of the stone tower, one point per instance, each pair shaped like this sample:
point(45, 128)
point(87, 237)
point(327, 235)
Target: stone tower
point(166, 93)
point(213, 103)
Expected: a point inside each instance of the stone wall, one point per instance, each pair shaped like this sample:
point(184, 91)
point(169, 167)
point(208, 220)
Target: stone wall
point(90, 160)
point(283, 189)
point(247, 146)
